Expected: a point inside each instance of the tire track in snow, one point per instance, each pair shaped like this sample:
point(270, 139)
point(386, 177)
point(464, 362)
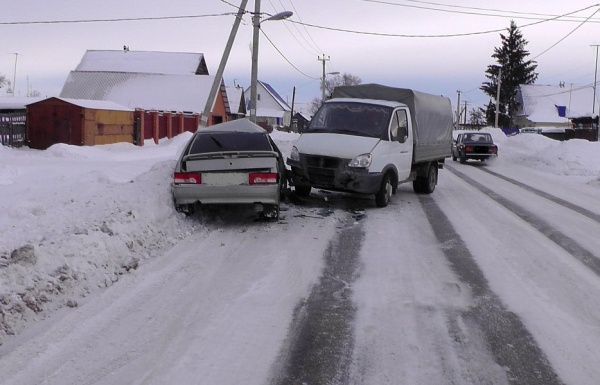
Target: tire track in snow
point(583, 211)
point(567, 243)
point(320, 342)
point(511, 345)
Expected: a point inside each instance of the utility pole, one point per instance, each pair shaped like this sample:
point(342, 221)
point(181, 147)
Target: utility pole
point(498, 96)
point(323, 59)
point(458, 110)
point(219, 76)
point(15, 75)
point(465, 117)
point(595, 80)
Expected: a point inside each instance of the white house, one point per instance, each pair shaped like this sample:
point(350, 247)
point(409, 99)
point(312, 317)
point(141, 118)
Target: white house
point(271, 109)
point(552, 106)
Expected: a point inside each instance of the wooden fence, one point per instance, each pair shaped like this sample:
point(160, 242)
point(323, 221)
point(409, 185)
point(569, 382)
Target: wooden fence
point(12, 129)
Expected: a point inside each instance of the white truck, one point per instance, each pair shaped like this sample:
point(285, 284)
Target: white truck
point(370, 138)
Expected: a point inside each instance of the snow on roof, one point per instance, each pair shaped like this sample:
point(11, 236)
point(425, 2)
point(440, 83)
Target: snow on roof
point(92, 104)
point(239, 125)
point(185, 93)
point(540, 102)
point(17, 103)
point(148, 62)
point(234, 96)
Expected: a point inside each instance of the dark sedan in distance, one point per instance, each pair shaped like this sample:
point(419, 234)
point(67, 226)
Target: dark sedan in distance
point(474, 145)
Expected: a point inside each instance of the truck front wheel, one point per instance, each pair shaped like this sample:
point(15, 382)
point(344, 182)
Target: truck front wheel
point(383, 196)
point(302, 191)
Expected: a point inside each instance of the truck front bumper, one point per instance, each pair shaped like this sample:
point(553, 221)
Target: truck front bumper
point(333, 174)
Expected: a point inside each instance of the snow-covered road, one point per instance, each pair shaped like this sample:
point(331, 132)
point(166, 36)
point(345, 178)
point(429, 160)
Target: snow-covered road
point(492, 279)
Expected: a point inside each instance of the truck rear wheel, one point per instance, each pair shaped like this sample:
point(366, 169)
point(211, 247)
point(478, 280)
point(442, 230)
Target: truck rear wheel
point(426, 184)
point(383, 196)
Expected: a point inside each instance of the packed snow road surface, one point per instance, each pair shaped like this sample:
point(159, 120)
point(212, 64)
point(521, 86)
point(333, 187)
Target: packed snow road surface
point(490, 280)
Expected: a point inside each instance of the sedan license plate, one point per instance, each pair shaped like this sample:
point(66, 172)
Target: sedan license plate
point(224, 179)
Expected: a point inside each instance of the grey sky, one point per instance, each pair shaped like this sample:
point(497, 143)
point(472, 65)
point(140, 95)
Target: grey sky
point(361, 37)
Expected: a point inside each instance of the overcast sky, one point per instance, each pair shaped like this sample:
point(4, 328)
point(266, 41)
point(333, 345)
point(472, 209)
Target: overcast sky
point(394, 42)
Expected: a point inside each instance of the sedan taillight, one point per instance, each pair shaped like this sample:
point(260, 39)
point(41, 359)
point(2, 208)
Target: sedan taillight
point(493, 149)
point(187, 178)
point(262, 178)
point(468, 149)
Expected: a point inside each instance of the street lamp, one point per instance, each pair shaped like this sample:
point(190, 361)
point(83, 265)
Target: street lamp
point(254, 76)
point(323, 82)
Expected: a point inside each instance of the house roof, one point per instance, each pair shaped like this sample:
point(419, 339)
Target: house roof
point(185, 93)
point(17, 103)
point(541, 102)
point(92, 104)
point(276, 96)
point(148, 62)
point(235, 95)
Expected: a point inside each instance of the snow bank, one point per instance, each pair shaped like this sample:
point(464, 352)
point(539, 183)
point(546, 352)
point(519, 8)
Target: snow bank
point(76, 218)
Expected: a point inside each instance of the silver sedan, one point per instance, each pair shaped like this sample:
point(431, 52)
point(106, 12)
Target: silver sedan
point(230, 163)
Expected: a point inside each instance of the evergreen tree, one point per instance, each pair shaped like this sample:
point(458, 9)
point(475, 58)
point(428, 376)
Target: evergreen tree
point(516, 70)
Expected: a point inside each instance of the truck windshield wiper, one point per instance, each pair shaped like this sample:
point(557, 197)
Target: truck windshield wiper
point(355, 133)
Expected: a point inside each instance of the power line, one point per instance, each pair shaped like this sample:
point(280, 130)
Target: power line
point(116, 19)
point(381, 34)
point(567, 35)
point(284, 57)
point(305, 30)
point(472, 10)
point(297, 30)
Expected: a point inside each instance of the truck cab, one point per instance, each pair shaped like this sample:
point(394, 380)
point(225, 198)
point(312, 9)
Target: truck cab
point(369, 138)
point(353, 145)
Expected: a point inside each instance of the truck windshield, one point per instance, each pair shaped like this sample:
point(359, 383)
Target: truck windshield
point(352, 118)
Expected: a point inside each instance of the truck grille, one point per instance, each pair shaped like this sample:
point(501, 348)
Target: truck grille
point(322, 169)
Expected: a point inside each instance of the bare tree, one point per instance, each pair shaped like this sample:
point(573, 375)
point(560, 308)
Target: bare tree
point(3, 80)
point(331, 82)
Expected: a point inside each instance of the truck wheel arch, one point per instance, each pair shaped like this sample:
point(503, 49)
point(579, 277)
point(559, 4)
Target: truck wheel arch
point(393, 171)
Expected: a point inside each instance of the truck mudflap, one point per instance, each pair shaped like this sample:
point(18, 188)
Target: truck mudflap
point(334, 174)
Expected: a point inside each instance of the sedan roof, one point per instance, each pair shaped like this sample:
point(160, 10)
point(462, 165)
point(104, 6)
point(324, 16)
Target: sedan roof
point(239, 125)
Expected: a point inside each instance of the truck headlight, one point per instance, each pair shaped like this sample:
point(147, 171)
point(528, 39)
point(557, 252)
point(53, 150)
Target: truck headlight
point(361, 161)
point(295, 155)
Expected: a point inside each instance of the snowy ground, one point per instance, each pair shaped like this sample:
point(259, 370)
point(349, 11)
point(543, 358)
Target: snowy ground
point(76, 220)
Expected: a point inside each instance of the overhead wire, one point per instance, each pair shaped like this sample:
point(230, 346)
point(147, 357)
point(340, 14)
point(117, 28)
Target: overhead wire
point(318, 49)
point(439, 35)
point(116, 19)
point(567, 35)
point(292, 34)
point(284, 57)
point(471, 10)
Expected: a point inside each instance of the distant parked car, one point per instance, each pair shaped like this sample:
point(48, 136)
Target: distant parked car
point(230, 163)
point(474, 145)
point(529, 130)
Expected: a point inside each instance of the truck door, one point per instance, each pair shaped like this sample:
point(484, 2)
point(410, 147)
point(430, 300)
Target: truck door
point(401, 143)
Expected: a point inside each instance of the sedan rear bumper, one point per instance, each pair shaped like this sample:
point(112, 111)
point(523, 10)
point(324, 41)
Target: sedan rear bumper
point(190, 194)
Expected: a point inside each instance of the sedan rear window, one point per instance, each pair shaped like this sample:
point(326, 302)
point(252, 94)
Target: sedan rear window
point(230, 141)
